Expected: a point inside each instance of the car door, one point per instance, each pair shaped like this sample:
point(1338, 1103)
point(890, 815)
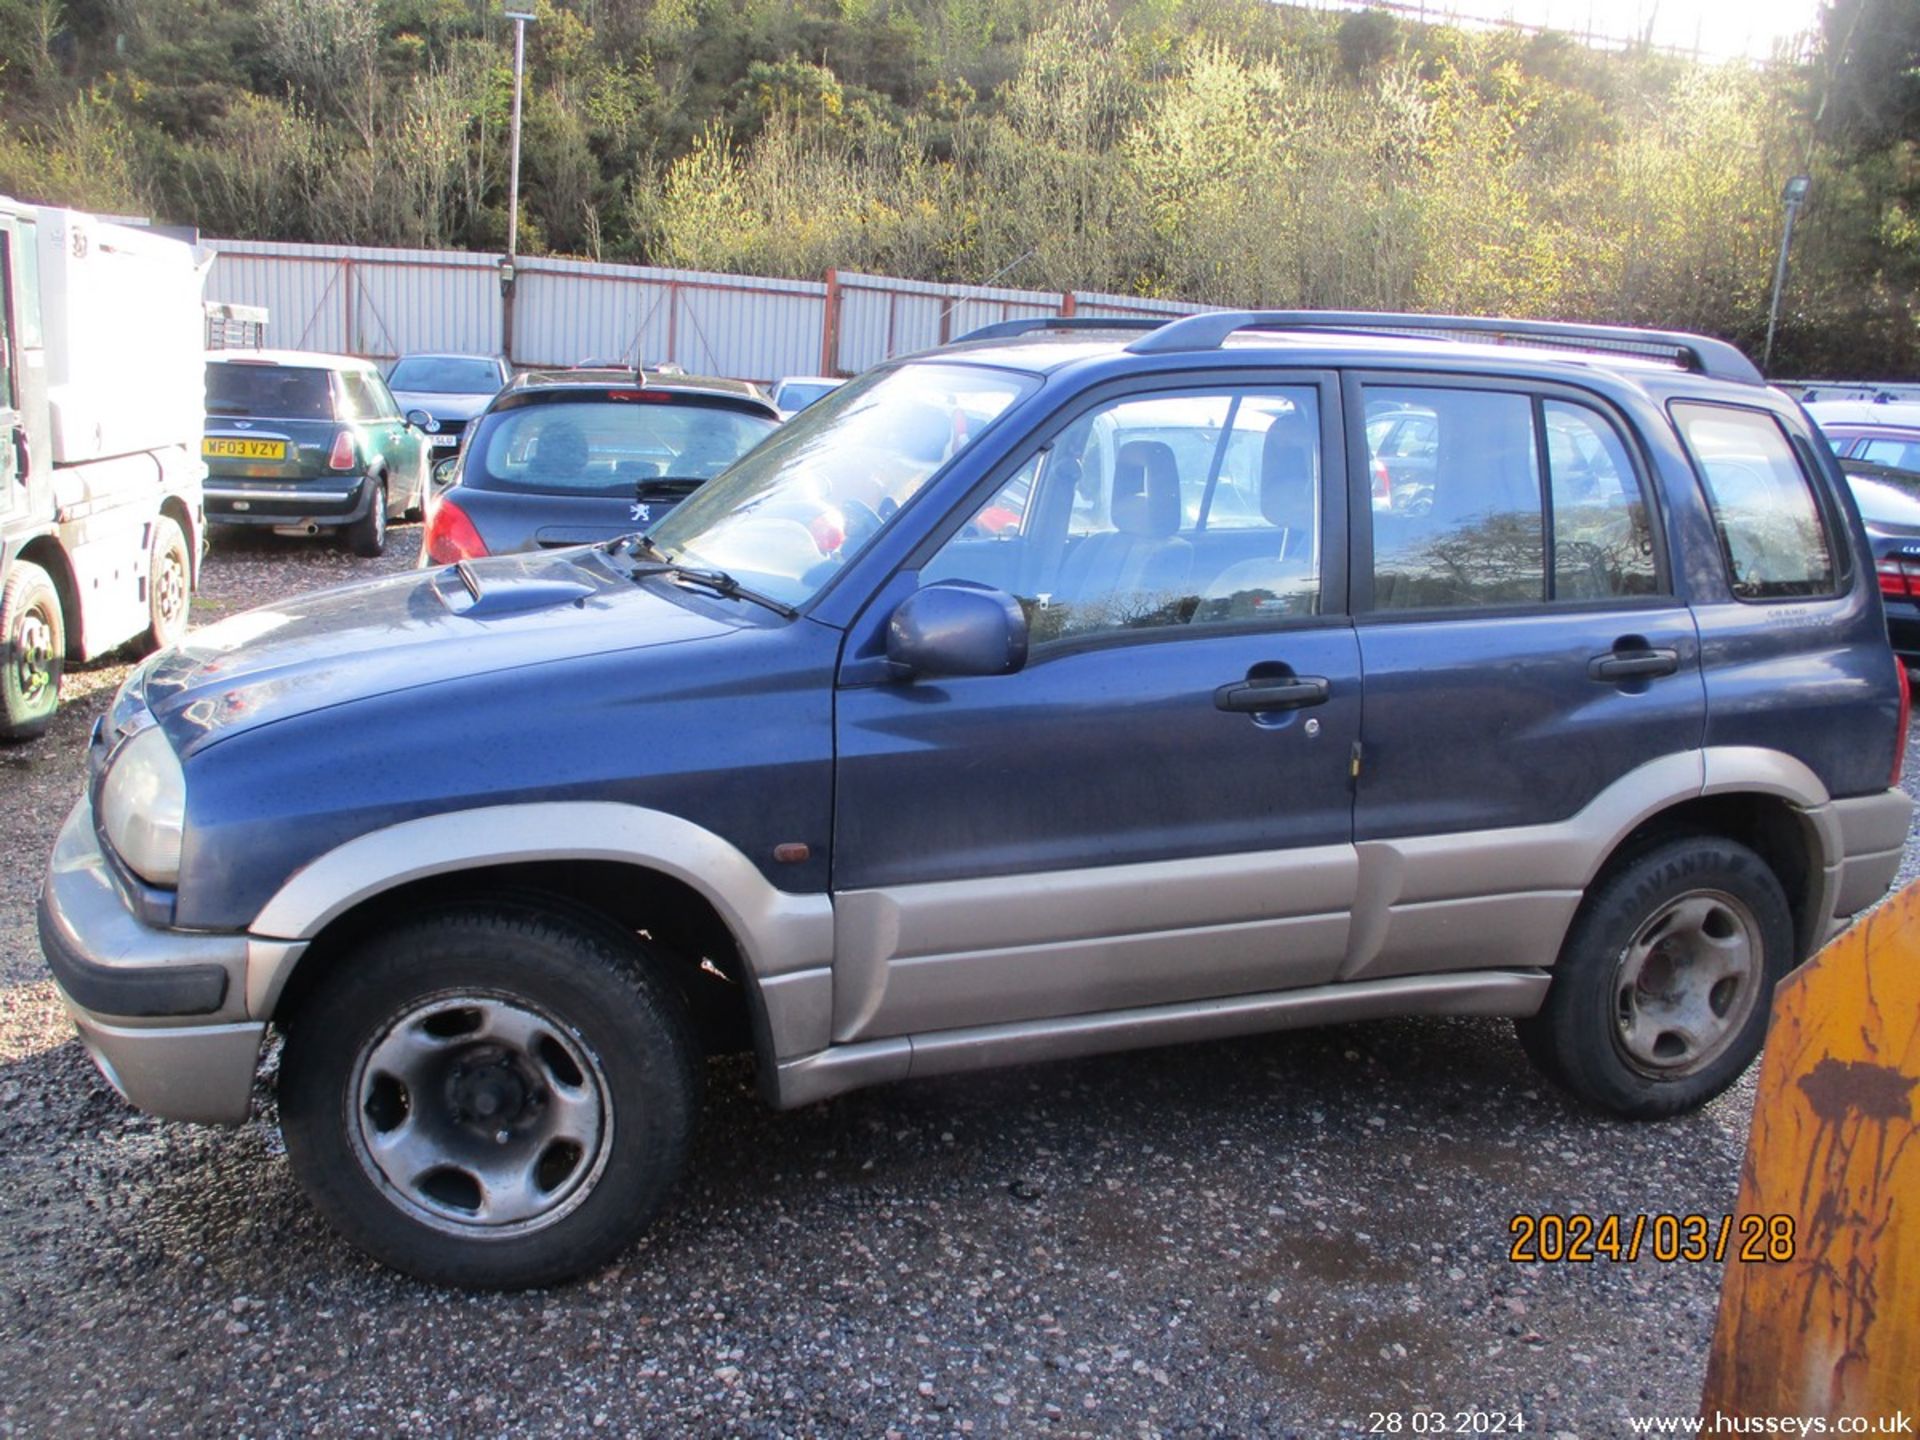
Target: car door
point(387, 432)
point(1524, 651)
point(1156, 807)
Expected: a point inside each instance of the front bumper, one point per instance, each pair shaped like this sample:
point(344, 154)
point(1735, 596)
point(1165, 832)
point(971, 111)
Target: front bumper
point(334, 500)
point(163, 1013)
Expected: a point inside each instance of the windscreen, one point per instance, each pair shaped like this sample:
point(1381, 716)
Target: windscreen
point(445, 375)
point(607, 446)
point(805, 503)
point(272, 392)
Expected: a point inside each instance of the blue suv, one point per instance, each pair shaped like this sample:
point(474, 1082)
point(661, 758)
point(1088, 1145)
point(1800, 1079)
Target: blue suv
point(1073, 688)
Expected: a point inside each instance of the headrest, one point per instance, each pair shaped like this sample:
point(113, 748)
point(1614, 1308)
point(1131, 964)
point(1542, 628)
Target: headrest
point(1146, 489)
point(1287, 476)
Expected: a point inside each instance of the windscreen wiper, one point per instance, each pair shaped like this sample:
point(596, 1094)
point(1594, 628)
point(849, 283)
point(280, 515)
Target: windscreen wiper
point(717, 581)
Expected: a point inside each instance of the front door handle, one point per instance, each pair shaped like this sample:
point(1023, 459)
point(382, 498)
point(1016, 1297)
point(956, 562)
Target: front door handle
point(1259, 697)
point(1633, 664)
point(22, 454)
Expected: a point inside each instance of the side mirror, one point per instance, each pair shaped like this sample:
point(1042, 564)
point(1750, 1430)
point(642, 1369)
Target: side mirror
point(443, 471)
point(421, 420)
point(957, 627)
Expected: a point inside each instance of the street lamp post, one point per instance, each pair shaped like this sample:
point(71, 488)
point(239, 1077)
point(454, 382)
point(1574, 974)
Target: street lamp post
point(1793, 197)
point(509, 266)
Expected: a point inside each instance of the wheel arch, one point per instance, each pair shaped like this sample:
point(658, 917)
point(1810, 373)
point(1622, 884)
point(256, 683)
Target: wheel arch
point(637, 869)
point(51, 556)
point(1770, 802)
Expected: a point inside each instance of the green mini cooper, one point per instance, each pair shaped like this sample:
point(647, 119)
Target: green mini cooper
point(303, 442)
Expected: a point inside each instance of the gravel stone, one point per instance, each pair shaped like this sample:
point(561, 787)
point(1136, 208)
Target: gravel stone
point(1263, 1237)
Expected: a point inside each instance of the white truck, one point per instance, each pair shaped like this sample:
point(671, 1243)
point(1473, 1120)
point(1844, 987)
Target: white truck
point(102, 400)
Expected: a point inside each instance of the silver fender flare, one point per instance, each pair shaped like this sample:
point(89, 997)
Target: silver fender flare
point(786, 939)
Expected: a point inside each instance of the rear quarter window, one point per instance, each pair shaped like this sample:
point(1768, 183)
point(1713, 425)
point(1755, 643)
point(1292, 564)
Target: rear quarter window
point(1773, 531)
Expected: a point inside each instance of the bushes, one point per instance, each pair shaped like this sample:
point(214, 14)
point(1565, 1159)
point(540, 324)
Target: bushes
point(1230, 151)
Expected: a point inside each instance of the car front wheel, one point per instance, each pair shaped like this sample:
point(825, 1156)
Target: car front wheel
point(1661, 995)
point(491, 1097)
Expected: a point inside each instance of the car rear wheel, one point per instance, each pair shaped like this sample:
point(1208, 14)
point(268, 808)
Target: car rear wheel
point(367, 536)
point(1661, 995)
point(169, 585)
point(35, 651)
point(491, 1097)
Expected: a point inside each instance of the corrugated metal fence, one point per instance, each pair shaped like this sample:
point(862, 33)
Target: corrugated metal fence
point(384, 303)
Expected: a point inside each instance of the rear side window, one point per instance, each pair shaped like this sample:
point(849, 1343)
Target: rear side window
point(1771, 529)
point(1898, 454)
point(1458, 517)
point(274, 392)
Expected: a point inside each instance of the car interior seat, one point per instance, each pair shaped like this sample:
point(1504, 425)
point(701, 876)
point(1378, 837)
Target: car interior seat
point(1287, 580)
point(1143, 554)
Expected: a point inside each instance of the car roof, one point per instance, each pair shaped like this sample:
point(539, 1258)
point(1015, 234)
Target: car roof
point(554, 382)
point(310, 359)
point(1353, 340)
point(450, 355)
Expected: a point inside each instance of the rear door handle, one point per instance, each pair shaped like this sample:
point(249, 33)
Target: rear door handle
point(1633, 664)
point(1259, 697)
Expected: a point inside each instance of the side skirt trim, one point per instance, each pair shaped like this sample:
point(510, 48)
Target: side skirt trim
point(840, 1068)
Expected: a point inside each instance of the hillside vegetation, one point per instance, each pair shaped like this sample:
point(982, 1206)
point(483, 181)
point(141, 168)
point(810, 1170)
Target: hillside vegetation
point(1221, 150)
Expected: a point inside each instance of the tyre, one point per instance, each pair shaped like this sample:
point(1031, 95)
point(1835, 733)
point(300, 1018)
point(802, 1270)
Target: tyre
point(169, 586)
point(494, 1097)
point(1661, 995)
point(367, 536)
point(33, 645)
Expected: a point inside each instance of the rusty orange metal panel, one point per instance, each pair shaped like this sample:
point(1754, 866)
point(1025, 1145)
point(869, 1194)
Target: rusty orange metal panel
point(1835, 1329)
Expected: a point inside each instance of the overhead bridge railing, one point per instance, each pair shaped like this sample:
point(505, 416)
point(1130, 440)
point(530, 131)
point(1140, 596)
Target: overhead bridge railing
point(1698, 353)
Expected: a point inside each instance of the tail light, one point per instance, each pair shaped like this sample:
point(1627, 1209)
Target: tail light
point(342, 456)
point(1906, 713)
point(1382, 485)
point(1899, 579)
point(450, 535)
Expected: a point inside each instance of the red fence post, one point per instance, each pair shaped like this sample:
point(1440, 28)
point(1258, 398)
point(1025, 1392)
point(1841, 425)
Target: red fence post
point(830, 327)
point(1068, 304)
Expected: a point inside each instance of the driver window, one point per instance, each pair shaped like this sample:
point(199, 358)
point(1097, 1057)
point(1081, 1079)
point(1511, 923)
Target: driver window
point(1154, 513)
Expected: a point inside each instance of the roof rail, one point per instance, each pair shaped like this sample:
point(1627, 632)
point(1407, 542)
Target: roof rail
point(1008, 329)
point(1699, 353)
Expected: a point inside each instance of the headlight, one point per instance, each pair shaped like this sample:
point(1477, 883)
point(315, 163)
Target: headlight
point(143, 807)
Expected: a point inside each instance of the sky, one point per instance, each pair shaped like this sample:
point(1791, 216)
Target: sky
point(1718, 29)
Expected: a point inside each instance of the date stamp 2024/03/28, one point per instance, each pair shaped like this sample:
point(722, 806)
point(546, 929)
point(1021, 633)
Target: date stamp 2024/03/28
point(1551, 1239)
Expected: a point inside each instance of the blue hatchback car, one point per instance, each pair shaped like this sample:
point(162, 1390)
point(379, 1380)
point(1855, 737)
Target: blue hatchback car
point(1064, 690)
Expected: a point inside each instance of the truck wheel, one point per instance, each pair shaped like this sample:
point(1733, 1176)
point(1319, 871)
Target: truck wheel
point(493, 1097)
point(169, 585)
point(367, 536)
point(35, 639)
point(1662, 992)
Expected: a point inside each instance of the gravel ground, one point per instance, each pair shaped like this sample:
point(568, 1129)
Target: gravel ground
point(1274, 1236)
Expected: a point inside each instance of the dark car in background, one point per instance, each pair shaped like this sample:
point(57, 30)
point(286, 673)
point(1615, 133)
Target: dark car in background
point(1878, 444)
point(450, 389)
point(301, 442)
point(567, 457)
point(1888, 499)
